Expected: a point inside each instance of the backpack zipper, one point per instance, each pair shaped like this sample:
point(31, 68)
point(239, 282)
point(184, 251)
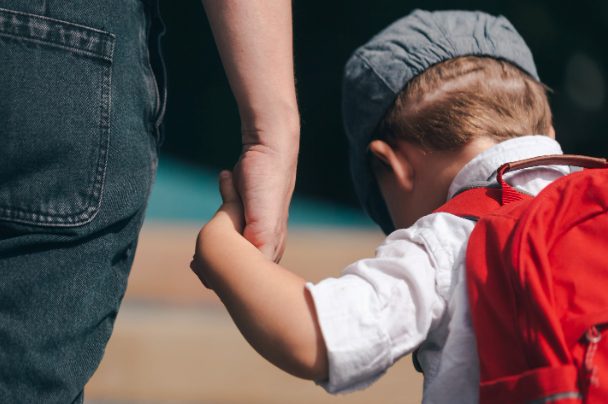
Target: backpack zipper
point(593, 336)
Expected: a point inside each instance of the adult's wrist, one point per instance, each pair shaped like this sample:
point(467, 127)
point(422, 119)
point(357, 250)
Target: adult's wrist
point(279, 140)
point(271, 124)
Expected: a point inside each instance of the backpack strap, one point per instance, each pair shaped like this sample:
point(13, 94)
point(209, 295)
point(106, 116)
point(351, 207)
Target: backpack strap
point(479, 199)
point(509, 194)
point(473, 203)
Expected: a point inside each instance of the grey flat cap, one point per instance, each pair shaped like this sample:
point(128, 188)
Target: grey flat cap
point(377, 72)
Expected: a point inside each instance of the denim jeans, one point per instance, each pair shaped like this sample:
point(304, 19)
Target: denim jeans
point(82, 94)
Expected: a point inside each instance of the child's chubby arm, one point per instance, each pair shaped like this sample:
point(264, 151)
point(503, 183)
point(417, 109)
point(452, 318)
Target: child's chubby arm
point(269, 304)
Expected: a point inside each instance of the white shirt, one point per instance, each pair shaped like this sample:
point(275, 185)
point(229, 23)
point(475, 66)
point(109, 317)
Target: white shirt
point(413, 294)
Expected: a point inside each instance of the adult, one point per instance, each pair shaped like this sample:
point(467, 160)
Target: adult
point(82, 98)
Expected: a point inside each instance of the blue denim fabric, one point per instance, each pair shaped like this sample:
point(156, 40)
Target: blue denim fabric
point(82, 94)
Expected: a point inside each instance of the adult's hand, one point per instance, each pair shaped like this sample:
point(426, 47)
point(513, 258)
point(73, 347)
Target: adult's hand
point(265, 178)
point(254, 38)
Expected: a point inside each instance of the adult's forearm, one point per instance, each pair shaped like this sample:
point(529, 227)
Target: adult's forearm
point(254, 38)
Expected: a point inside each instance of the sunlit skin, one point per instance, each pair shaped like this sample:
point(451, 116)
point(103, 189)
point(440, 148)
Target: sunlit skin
point(269, 304)
point(254, 38)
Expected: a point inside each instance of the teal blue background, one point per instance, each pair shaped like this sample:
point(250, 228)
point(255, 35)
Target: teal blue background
point(188, 193)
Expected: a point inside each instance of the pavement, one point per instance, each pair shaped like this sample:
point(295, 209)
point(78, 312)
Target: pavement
point(175, 343)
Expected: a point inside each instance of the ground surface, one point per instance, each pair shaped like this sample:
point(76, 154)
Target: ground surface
point(174, 343)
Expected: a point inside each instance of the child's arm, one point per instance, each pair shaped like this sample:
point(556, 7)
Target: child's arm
point(269, 304)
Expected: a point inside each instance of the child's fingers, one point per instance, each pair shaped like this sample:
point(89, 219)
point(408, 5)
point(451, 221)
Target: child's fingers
point(227, 188)
point(233, 206)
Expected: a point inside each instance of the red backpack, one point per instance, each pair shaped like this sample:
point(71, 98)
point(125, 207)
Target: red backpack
point(537, 278)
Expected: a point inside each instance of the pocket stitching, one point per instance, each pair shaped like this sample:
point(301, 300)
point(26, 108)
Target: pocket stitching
point(108, 37)
point(108, 58)
point(97, 178)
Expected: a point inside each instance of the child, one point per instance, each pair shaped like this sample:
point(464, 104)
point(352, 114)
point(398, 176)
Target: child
point(434, 102)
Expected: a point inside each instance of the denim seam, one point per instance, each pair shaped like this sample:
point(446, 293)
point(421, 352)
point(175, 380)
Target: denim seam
point(158, 106)
point(35, 16)
point(106, 113)
point(373, 69)
point(55, 45)
point(163, 97)
point(106, 38)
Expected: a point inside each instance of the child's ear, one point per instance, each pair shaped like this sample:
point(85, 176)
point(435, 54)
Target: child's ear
point(382, 152)
point(398, 163)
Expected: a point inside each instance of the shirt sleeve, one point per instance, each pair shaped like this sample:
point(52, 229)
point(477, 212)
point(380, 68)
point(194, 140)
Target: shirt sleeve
point(378, 310)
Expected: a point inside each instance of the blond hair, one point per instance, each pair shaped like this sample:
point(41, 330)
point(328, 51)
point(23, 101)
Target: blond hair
point(465, 98)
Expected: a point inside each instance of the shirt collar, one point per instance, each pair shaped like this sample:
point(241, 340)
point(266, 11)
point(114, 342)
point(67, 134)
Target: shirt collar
point(482, 166)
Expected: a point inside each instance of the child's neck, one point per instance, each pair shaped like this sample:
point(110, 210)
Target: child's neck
point(433, 173)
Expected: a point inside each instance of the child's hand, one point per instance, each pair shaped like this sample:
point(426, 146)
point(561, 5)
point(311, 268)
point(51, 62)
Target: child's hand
point(230, 213)
point(232, 204)
point(270, 305)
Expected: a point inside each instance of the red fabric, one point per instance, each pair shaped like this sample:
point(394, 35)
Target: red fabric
point(475, 202)
point(509, 194)
point(537, 277)
point(556, 382)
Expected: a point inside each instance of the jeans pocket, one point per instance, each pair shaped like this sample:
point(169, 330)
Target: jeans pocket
point(55, 79)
